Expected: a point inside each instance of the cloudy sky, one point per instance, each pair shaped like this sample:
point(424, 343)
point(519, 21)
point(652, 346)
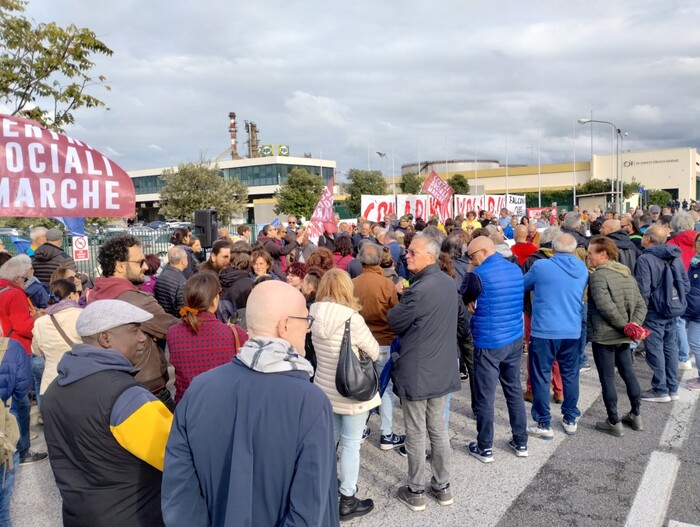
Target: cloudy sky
point(421, 79)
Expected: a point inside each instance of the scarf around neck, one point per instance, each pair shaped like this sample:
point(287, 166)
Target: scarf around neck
point(272, 355)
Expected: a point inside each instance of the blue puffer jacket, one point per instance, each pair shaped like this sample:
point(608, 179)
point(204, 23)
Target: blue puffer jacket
point(14, 373)
point(693, 311)
point(498, 319)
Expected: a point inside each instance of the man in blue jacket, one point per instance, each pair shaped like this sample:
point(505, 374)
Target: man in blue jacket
point(558, 284)
point(14, 383)
point(252, 442)
point(497, 327)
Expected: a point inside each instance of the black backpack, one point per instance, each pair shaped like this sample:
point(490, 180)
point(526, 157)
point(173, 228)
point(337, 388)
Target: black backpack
point(669, 297)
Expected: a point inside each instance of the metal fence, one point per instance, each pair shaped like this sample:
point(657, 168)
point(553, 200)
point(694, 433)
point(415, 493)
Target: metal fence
point(152, 242)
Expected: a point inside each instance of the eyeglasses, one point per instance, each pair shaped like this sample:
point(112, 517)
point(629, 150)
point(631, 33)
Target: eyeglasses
point(471, 256)
point(411, 252)
point(292, 222)
point(140, 262)
point(309, 320)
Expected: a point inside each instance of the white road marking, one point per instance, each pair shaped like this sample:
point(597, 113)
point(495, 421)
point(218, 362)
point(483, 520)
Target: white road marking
point(654, 493)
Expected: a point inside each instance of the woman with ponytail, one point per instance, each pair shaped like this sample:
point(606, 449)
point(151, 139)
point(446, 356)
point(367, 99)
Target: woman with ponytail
point(201, 342)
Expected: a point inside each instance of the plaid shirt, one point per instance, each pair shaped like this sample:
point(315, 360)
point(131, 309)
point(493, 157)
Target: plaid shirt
point(192, 354)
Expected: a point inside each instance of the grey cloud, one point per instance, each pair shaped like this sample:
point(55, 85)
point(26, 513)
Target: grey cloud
point(412, 76)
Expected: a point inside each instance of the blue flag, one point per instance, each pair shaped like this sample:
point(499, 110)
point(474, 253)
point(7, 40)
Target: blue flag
point(75, 226)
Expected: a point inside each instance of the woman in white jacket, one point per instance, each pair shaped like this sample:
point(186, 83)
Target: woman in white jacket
point(336, 303)
point(48, 340)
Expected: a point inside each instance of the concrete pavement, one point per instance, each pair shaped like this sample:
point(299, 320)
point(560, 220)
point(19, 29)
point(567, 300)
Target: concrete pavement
point(589, 479)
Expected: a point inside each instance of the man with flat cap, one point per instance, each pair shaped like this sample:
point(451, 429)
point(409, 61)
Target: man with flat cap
point(105, 433)
point(252, 441)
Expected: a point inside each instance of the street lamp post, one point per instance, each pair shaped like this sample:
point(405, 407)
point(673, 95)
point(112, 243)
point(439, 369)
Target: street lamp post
point(613, 179)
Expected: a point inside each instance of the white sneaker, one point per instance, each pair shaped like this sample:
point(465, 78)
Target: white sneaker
point(569, 428)
point(541, 432)
point(685, 366)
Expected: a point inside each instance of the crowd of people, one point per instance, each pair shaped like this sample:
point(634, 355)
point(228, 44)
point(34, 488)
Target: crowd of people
point(254, 333)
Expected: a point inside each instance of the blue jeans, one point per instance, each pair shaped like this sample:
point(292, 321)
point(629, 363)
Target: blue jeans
point(386, 410)
point(584, 333)
point(38, 364)
point(7, 483)
point(490, 366)
point(21, 408)
point(683, 345)
point(694, 339)
point(662, 352)
point(348, 429)
point(541, 356)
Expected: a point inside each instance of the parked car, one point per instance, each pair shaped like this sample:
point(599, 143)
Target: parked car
point(157, 225)
point(10, 231)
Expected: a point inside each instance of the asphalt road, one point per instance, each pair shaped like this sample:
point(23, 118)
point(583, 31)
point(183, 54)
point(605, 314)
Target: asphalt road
point(647, 478)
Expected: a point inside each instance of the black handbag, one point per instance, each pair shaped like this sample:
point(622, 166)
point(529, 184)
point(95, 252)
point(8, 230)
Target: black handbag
point(355, 378)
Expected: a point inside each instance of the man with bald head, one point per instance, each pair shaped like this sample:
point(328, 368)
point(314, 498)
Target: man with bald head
point(558, 284)
point(496, 298)
point(627, 251)
point(252, 441)
point(522, 249)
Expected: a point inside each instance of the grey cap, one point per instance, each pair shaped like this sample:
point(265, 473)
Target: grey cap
point(54, 235)
point(103, 315)
point(654, 209)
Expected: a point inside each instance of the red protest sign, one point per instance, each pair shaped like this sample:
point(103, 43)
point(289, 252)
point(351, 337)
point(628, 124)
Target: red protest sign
point(323, 213)
point(437, 188)
point(46, 174)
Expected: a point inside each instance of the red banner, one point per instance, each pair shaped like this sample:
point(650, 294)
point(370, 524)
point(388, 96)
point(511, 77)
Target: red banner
point(323, 213)
point(375, 208)
point(45, 174)
point(410, 204)
point(464, 204)
point(443, 210)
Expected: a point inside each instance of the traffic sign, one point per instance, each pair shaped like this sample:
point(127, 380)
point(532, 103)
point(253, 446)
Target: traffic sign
point(81, 249)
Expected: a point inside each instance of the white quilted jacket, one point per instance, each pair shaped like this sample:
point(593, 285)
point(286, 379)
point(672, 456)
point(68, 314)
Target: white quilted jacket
point(327, 335)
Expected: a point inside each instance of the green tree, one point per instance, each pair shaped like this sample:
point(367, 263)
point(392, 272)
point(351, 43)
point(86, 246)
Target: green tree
point(658, 197)
point(411, 183)
point(300, 195)
point(45, 69)
point(459, 184)
point(195, 186)
point(363, 182)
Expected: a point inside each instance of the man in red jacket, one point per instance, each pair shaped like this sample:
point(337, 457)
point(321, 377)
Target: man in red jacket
point(522, 249)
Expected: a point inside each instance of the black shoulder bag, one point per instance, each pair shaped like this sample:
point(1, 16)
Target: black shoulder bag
point(354, 378)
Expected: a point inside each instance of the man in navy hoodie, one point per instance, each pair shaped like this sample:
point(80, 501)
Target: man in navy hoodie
point(662, 344)
point(558, 284)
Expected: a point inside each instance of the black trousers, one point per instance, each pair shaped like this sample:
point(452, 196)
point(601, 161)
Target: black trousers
point(607, 357)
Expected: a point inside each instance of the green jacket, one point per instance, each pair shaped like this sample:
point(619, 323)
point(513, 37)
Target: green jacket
point(614, 300)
